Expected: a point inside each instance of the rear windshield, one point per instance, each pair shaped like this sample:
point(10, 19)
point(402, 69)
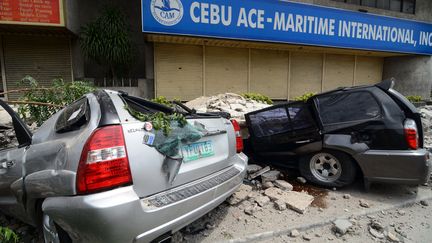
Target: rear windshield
point(347, 107)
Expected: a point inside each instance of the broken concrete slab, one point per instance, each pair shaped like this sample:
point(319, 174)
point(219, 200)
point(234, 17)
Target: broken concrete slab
point(258, 173)
point(252, 168)
point(297, 201)
point(280, 205)
point(262, 200)
point(267, 184)
point(240, 195)
point(284, 185)
point(301, 180)
point(272, 175)
point(341, 226)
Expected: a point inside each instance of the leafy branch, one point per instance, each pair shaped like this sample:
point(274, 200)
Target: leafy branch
point(8, 236)
point(159, 120)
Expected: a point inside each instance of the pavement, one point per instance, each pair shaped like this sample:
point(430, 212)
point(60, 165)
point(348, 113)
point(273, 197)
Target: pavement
point(231, 224)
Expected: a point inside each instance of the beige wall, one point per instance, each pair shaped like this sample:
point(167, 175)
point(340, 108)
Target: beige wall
point(189, 71)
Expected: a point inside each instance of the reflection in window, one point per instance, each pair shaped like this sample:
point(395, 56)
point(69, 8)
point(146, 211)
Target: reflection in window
point(270, 122)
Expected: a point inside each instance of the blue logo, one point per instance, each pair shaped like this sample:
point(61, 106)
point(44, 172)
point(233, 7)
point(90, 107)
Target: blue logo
point(167, 12)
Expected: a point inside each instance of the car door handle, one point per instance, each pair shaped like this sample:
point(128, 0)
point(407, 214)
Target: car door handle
point(7, 164)
point(303, 141)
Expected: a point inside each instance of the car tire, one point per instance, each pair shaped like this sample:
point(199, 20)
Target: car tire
point(52, 232)
point(328, 168)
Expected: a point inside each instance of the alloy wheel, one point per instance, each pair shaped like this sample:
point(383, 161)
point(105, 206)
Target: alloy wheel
point(325, 167)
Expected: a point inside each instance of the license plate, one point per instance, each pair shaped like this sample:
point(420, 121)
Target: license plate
point(196, 151)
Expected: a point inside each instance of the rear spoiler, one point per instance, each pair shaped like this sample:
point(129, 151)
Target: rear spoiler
point(386, 84)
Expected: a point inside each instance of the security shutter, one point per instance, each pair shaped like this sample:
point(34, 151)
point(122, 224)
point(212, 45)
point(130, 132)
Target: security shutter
point(339, 71)
point(369, 70)
point(179, 71)
point(306, 73)
point(226, 70)
point(269, 73)
point(42, 57)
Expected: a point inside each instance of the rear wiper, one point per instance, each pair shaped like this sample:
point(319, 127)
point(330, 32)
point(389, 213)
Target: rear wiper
point(184, 107)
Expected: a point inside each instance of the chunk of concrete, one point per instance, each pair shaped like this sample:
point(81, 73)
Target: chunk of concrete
point(252, 168)
point(284, 185)
point(341, 226)
point(258, 173)
point(272, 175)
point(240, 195)
point(262, 200)
point(297, 201)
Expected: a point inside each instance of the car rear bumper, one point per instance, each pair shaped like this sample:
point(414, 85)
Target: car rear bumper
point(120, 215)
point(411, 167)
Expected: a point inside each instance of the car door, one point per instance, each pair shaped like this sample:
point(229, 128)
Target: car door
point(281, 129)
point(14, 138)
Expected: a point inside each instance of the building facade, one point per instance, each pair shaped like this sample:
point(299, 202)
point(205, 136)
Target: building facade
point(282, 49)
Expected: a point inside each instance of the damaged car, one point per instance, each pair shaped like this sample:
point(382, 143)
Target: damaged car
point(97, 172)
point(371, 131)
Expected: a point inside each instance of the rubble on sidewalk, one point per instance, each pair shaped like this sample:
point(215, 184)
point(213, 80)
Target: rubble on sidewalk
point(297, 201)
point(240, 195)
point(234, 104)
point(341, 226)
point(284, 185)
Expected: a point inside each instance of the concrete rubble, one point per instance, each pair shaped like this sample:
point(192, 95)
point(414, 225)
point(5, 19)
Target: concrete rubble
point(234, 104)
point(426, 117)
point(275, 190)
point(341, 226)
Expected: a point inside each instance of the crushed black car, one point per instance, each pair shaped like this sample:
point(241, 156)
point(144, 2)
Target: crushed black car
point(372, 131)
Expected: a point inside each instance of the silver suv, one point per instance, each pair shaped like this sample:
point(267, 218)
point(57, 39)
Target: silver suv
point(89, 175)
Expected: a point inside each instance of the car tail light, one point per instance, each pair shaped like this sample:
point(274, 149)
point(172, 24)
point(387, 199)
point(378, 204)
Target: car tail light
point(411, 134)
point(239, 139)
point(104, 162)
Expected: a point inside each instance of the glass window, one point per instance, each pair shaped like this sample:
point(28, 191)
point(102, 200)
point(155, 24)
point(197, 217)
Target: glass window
point(395, 5)
point(408, 6)
point(383, 4)
point(369, 3)
point(347, 107)
point(270, 122)
point(73, 116)
point(300, 117)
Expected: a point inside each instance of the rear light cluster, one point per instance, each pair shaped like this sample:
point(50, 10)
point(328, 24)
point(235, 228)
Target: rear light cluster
point(239, 139)
point(411, 133)
point(104, 162)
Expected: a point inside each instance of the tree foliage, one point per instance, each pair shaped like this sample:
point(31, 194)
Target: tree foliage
point(58, 95)
point(258, 97)
point(107, 41)
point(8, 236)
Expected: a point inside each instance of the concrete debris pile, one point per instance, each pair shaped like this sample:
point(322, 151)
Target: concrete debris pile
point(426, 117)
point(270, 190)
point(234, 104)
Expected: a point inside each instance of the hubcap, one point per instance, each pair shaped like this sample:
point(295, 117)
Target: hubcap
point(49, 230)
point(325, 167)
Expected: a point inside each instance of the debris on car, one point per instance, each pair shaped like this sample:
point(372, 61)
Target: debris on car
point(334, 136)
point(234, 104)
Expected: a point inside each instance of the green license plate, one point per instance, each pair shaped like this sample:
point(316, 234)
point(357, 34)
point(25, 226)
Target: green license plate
point(196, 151)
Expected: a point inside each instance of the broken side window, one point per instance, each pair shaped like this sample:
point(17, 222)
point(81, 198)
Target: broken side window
point(73, 116)
point(270, 122)
point(347, 107)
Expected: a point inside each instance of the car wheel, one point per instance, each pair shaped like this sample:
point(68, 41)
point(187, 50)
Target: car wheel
point(328, 168)
point(52, 232)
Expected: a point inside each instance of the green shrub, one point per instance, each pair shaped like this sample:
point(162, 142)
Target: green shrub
point(414, 98)
point(8, 236)
point(258, 97)
point(162, 100)
point(56, 96)
point(304, 97)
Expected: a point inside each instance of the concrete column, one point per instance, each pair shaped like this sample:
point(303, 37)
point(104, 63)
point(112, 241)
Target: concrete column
point(413, 74)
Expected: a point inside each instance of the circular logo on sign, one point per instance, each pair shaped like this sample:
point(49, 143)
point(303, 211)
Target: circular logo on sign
point(167, 12)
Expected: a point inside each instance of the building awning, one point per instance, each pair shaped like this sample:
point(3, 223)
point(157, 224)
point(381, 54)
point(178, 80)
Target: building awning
point(7, 29)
